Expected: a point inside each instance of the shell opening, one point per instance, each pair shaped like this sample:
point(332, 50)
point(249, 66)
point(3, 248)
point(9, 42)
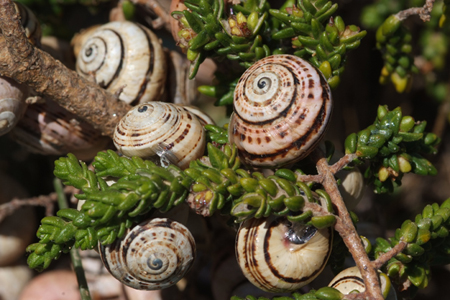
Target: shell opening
point(300, 234)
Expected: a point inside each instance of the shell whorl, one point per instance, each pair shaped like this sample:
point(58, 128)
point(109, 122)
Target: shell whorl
point(282, 106)
point(278, 256)
point(30, 23)
point(162, 129)
point(152, 256)
point(12, 103)
point(49, 129)
point(124, 55)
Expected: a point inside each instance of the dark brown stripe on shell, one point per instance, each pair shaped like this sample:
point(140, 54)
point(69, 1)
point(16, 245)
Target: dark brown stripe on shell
point(122, 57)
point(103, 61)
point(149, 72)
point(348, 278)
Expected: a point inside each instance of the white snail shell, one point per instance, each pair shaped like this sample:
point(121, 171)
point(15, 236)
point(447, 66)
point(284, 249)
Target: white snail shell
point(282, 106)
point(162, 129)
point(12, 103)
point(48, 129)
point(30, 23)
point(350, 279)
point(181, 89)
point(152, 256)
point(125, 55)
point(202, 116)
point(352, 187)
point(278, 256)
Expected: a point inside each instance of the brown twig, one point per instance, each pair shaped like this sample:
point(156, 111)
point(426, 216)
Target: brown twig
point(342, 162)
point(47, 201)
point(385, 257)
point(423, 12)
point(163, 19)
point(347, 231)
point(25, 63)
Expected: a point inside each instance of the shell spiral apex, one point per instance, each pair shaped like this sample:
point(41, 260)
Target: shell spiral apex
point(282, 106)
point(153, 255)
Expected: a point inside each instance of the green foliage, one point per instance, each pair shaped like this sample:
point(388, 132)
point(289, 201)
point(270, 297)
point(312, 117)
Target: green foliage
point(138, 187)
point(445, 14)
point(394, 42)
point(394, 145)
point(252, 31)
point(428, 244)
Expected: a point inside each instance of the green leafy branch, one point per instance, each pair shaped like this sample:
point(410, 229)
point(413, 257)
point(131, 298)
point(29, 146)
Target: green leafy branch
point(393, 145)
point(427, 244)
point(325, 293)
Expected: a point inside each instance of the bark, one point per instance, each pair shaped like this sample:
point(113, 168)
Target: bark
point(27, 64)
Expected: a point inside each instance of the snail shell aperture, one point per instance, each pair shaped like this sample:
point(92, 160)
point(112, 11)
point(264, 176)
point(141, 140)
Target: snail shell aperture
point(282, 106)
point(278, 256)
point(152, 256)
point(12, 103)
point(124, 55)
point(162, 129)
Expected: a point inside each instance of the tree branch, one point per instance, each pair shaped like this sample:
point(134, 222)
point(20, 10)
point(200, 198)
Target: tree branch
point(423, 12)
point(10, 207)
point(346, 229)
point(385, 257)
point(23, 62)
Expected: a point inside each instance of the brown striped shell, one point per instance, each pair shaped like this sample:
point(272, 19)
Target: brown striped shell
point(278, 256)
point(164, 129)
point(350, 280)
point(124, 58)
point(282, 106)
point(48, 129)
point(12, 103)
point(153, 255)
point(30, 23)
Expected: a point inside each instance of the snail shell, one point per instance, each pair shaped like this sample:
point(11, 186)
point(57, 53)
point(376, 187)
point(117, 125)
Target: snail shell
point(350, 279)
point(30, 23)
point(48, 129)
point(12, 103)
point(282, 106)
point(181, 89)
point(124, 55)
point(278, 256)
point(162, 129)
point(152, 256)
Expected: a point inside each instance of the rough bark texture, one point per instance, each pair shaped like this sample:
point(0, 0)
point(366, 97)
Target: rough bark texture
point(25, 63)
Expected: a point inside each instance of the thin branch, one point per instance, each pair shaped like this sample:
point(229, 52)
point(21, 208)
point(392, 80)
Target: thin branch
point(423, 12)
point(163, 19)
point(47, 201)
point(343, 162)
point(385, 257)
point(309, 178)
point(347, 231)
point(50, 78)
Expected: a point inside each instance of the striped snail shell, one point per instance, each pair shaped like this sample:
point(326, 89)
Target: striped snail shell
point(164, 129)
point(153, 255)
point(350, 280)
point(12, 103)
point(49, 129)
point(279, 256)
point(282, 106)
point(30, 23)
point(126, 57)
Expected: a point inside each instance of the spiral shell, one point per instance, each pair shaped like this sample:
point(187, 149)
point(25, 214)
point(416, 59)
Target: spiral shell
point(30, 23)
point(282, 106)
point(153, 255)
point(350, 279)
point(12, 103)
point(124, 56)
point(277, 255)
point(48, 129)
point(162, 129)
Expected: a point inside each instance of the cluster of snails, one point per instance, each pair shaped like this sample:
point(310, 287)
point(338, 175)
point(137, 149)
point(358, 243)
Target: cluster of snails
point(282, 106)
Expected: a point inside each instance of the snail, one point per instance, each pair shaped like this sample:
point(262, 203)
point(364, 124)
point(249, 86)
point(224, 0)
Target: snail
point(279, 256)
point(156, 128)
point(282, 106)
point(124, 58)
point(153, 255)
point(48, 129)
point(12, 103)
point(181, 89)
point(29, 23)
point(350, 280)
